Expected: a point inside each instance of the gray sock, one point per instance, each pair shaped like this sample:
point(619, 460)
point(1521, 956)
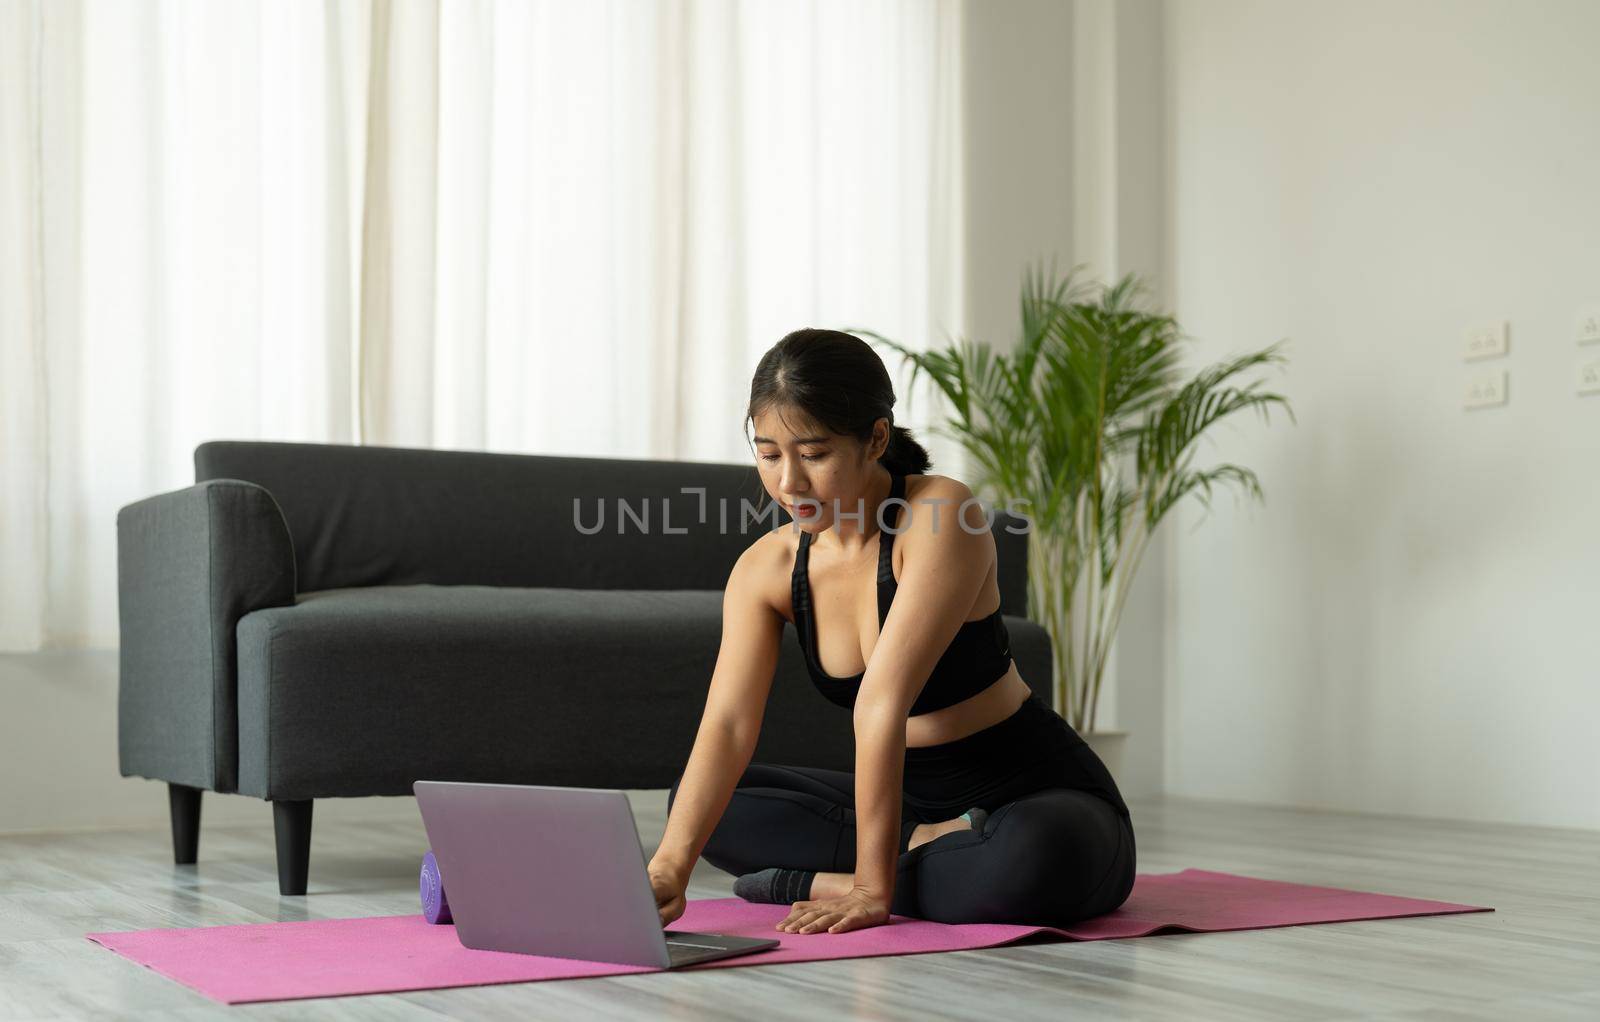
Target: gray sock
point(976, 817)
point(775, 886)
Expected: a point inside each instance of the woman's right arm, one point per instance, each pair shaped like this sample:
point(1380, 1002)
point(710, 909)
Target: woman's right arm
point(752, 628)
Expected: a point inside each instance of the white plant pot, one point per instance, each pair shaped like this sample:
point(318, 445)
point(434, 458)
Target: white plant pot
point(1108, 745)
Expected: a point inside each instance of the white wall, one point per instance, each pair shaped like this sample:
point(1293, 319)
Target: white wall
point(1017, 153)
point(1119, 204)
point(1408, 624)
point(1061, 160)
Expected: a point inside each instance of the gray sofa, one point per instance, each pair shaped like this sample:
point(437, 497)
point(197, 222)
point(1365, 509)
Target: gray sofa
point(325, 621)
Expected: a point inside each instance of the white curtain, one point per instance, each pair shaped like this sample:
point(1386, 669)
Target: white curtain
point(556, 227)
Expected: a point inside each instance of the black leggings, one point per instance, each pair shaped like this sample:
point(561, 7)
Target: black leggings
point(1057, 847)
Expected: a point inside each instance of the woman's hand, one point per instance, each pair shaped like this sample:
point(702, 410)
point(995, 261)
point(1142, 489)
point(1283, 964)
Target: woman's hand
point(668, 884)
point(855, 911)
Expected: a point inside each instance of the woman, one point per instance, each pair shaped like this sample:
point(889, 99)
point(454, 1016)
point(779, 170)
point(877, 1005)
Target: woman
point(896, 605)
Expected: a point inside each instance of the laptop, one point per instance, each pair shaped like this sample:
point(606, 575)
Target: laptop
point(543, 870)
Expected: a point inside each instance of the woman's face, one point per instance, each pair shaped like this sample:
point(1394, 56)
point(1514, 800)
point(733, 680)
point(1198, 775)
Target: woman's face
point(810, 471)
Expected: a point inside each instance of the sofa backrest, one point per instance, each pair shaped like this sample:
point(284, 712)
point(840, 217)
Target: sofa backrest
point(367, 515)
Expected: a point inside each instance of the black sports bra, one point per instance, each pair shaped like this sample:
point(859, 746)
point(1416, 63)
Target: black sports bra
point(978, 656)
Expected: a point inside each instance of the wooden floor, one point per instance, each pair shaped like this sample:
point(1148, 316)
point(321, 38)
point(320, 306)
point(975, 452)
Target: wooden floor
point(1537, 956)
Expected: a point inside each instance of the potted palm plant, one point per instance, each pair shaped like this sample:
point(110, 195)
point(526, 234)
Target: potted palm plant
point(1090, 428)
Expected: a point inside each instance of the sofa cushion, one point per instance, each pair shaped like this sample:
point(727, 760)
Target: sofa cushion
point(354, 692)
point(365, 515)
point(363, 691)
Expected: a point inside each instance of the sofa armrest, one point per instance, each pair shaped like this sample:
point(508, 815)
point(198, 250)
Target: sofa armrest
point(190, 564)
point(1011, 553)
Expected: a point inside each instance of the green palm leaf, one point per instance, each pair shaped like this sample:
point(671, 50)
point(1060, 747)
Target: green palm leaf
point(1087, 422)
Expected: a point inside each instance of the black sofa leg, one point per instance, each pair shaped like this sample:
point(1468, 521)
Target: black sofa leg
point(291, 823)
point(184, 803)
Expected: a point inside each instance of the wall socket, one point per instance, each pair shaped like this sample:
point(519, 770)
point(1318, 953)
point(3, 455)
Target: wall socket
point(1489, 340)
point(1485, 390)
point(1589, 377)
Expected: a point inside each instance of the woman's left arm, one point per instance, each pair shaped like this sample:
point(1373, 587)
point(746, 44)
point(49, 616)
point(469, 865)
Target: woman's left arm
point(944, 565)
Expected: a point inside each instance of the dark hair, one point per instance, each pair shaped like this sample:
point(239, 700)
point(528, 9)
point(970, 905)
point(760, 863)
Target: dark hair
point(840, 382)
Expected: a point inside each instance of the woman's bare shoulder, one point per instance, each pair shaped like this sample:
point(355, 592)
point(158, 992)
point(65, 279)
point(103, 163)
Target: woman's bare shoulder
point(937, 486)
point(941, 497)
point(772, 550)
point(763, 570)
point(932, 532)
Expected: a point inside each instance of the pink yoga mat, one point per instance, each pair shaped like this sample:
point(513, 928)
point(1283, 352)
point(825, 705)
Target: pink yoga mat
point(386, 954)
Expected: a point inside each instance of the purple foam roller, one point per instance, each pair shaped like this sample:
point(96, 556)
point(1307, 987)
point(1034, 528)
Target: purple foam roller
point(435, 909)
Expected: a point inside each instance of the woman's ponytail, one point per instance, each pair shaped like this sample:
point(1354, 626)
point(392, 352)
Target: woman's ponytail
point(904, 456)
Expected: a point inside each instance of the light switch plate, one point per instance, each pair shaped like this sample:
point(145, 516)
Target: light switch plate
point(1485, 390)
point(1589, 377)
point(1589, 325)
point(1490, 340)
